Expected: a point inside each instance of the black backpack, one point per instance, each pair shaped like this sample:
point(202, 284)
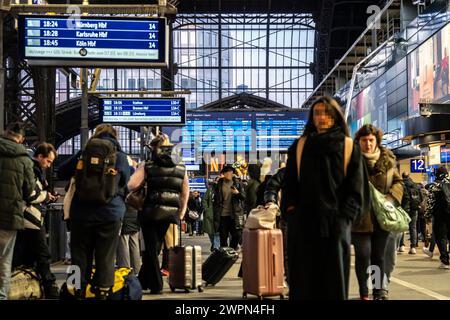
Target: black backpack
point(96, 172)
point(414, 198)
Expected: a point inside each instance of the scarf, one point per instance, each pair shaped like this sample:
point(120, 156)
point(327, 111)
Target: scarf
point(372, 158)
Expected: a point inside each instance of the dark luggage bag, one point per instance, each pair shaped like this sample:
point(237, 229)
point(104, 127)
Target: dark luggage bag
point(218, 264)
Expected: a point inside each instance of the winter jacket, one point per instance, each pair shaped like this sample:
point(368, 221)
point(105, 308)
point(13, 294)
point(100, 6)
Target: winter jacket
point(17, 182)
point(435, 203)
point(408, 202)
point(34, 211)
point(250, 195)
point(237, 201)
point(209, 226)
point(110, 212)
point(130, 223)
point(386, 179)
point(164, 187)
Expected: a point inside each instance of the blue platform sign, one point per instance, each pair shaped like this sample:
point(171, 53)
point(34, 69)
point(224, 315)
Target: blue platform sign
point(93, 41)
point(418, 166)
point(143, 111)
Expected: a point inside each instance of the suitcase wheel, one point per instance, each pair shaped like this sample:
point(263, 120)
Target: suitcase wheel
point(281, 297)
point(172, 288)
point(244, 295)
point(260, 297)
point(200, 289)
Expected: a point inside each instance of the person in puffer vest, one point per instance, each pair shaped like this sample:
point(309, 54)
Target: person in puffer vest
point(165, 203)
point(31, 248)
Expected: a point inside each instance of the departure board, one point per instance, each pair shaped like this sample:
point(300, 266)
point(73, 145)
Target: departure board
point(277, 131)
point(240, 131)
point(218, 131)
point(197, 184)
point(93, 41)
point(143, 111)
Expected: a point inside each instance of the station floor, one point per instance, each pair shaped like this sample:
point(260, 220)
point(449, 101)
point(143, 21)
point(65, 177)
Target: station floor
point(416, 277)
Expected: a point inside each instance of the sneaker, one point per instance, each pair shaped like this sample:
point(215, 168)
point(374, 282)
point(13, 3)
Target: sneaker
point(444, 266)
point(427, 252)
point(164, 272)
point(401, 249)
point(364, 298)
point(412, 251)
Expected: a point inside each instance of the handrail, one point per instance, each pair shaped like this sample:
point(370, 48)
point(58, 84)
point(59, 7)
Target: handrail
point(379, 15)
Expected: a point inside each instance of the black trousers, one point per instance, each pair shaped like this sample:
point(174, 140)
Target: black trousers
point(441, 231)
point(369, 250)
point(31, 250)
point(99, 239)
point(150, 274)
point(228, 228)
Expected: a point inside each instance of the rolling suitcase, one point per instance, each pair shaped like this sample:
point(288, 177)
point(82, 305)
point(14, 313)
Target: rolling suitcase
point(185, 268)
point(262, 262)
point(218, 264)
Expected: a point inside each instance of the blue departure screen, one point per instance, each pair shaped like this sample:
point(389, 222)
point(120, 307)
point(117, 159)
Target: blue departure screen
point(143, 111)
point(218, 132)
point(197, 184)
point(277, 131)
point(239, 131)
point(94, 40)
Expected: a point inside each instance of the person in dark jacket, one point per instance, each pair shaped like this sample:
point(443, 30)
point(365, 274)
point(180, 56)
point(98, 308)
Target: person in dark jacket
point(325, 190)
point(128, 249)
point(373, 245)
point(209, 227)
point(95, 228)
point(228, 203)
point(273, 194)
point(438, 207)
point(195, 205)
point(17, 183)
point(254, 172)
point(31, 246)
point(165, 204)
point(412, 198)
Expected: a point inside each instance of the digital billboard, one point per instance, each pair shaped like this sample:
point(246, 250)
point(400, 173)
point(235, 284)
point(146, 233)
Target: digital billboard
point(429, 71)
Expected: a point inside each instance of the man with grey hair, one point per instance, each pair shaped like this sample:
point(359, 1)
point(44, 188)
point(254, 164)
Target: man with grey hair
point(16, 184)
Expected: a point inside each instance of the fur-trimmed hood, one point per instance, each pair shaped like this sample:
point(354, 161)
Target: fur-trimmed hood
point(385, 162)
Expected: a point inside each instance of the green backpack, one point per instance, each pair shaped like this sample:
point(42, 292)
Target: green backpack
point(96, 172)
point(389, 217)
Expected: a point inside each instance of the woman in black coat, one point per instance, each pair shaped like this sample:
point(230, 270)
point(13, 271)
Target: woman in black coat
point(325, 189)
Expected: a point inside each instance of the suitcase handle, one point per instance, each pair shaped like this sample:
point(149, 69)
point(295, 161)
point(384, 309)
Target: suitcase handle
point(274, 264)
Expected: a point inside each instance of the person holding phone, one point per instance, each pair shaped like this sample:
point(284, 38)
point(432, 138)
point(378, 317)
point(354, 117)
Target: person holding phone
point(228, 204)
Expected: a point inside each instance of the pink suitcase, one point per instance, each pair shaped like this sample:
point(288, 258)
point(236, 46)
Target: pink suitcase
point(262, 263)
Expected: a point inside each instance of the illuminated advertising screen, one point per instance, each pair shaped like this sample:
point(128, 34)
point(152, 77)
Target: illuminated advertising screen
point(92, 41)
point(369, 106)
point(429, 71)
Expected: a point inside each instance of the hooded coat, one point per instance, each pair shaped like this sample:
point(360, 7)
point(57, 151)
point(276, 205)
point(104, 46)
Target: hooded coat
point(386, 179)
point(321, 204)
point(17, 182)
